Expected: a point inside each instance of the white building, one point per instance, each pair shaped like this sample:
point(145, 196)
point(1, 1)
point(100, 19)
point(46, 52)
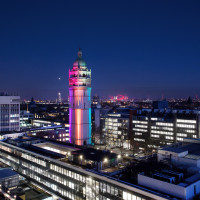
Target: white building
point(80, 102)
point(183, 183)
point(9, 113)
point(185, 153)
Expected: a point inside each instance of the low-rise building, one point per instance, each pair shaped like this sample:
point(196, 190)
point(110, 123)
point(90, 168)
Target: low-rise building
point(25, 119)
point(8, 178)
point(182, 180)
point(58, 132)
point(53, 172)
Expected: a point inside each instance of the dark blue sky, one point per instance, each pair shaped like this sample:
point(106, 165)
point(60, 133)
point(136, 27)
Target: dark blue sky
point(139, 48)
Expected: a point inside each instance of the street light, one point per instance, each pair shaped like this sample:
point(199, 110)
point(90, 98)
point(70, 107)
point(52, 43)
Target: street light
point(81, 157)
point(106, 160)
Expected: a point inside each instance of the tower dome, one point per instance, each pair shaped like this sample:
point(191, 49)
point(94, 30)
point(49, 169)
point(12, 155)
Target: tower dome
point(79, 62)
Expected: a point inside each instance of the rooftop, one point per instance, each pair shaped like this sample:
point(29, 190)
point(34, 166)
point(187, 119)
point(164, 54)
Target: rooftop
point(58, 148)
point(44, 152)
point(192, 148)
point(127, 176)
point(94, 154)
point(7, 172)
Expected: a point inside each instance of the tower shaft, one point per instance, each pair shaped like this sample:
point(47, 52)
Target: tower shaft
point(80, 102)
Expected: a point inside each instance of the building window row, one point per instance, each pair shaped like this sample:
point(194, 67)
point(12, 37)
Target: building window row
point(140, 122)
point(185, 125)
point(155, 136)
point(186, 121)
point(142, 130)
point(139, 139)
point(164, 124)
point(169, 138)
point(34, 159)
point(140, 126)
point(162, 132)
point(164, 128)
point(182, 134)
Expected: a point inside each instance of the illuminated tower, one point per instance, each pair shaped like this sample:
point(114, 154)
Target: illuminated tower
point(59, 98)
point(80, 102)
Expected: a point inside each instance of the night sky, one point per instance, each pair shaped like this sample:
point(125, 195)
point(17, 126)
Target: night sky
point(138, 48)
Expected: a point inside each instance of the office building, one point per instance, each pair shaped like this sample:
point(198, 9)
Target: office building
point(48, 167)
point(25, 119)
point(9, 113)
point(80, 102)
point(116, 130)
point(99, 115)
point(152, 129)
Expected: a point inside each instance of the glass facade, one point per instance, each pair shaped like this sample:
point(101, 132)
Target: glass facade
point(9, 117)
point(116, 131)
point(157, 132)
point(67, 181)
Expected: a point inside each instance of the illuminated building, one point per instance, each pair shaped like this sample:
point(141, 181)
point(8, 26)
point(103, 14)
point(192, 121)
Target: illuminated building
point(80, 102)
point(48, 167)
point(53, 132)
point(152, 129)
point(25, 119)
point(119, 98)
point(9, 113)
point(116, 130)
point(145, 129)
point(59, 98)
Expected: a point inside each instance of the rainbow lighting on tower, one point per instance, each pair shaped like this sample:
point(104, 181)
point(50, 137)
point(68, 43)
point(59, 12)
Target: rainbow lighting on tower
point(80, 102)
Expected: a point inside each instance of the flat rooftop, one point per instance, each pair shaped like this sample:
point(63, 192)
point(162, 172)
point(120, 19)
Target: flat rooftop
point(125, 177)
point(58, 148)
point(192, 148)
point(33, 194)
point(95, 154)
point(7, 172)
point(44, 152)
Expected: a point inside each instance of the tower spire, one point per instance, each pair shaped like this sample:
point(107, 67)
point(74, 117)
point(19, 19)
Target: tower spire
point(79, 53)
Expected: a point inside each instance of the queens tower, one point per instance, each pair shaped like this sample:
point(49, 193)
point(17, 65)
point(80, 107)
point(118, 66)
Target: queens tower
point(80, 102)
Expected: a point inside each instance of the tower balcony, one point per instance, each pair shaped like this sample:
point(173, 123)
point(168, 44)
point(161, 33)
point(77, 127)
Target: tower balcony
point(79, 76)
point(79, 84)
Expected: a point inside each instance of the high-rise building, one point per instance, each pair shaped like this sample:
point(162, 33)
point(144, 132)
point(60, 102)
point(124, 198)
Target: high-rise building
point(9, 113)
point(59, 98)
point(80, 102)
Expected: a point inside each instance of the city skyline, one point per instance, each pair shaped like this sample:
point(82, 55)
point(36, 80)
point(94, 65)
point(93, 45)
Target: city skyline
point(99, 100)
point(140, 49)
